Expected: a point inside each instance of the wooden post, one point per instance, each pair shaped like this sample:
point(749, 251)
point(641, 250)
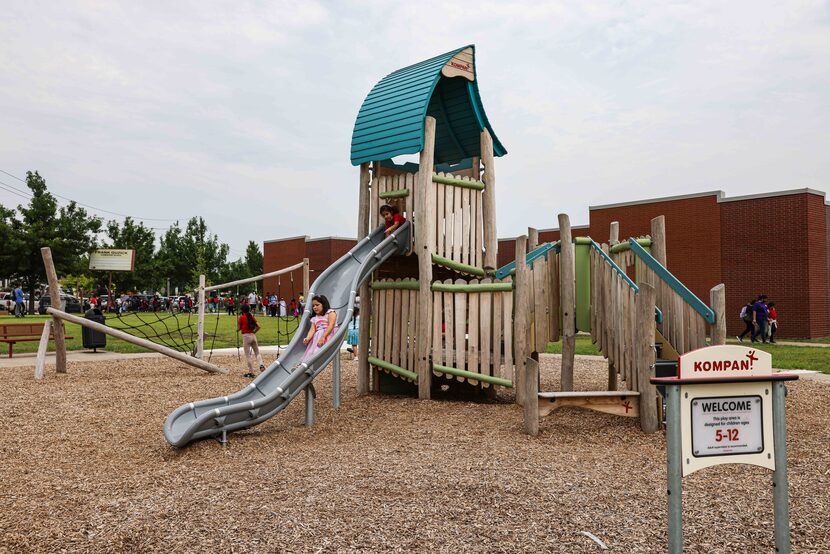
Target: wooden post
point(645, 356)
point(476, 168)
point(40, 362)
point(521, 318)
point(200, 325)
point(531, 405)
point(201, 364)
point(425, 237)
point(532, 239)
point(55, 296)
point(717, 298)
point(491, 242)
point(365, 292)
point(614, 233)
point(306, 281)
point(568, 301)
point(658, 239)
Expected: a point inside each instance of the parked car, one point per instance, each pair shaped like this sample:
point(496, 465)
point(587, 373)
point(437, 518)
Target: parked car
point(7, 302)
point(70, 304)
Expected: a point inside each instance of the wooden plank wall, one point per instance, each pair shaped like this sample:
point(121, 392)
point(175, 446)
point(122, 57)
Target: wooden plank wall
point(473, 331)
point(546, 315)
point(394, 325)
point(388, 183)
point(683, 327)
point(459, 223)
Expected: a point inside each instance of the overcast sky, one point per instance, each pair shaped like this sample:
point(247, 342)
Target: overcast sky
point(242, 112)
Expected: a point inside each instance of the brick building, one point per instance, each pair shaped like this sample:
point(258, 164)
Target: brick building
point(279, 253)
point(776, 243)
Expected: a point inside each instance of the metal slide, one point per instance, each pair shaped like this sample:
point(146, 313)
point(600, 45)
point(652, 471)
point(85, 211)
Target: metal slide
point(275, 387)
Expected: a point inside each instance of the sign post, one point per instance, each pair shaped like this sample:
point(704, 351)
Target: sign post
point(110, 259)
point(725, 406)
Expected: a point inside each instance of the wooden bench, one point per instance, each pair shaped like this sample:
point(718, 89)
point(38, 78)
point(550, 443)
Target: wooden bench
point(12, 333)
point(621, 402)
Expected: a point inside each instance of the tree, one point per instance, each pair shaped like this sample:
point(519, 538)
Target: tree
point(68, 231)
point(205, 254)
point(136, 237)
point(171, 262)
point(253, 259)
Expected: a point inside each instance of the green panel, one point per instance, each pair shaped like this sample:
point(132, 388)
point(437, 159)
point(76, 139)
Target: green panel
point(582, 271)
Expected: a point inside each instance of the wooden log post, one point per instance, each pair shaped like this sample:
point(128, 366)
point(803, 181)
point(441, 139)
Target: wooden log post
point(717, 298)
point(658, 239)
point(568, 302)
point(424, 242)
point(531, 405)
point(306, 281)
point(521, 318)
point(55, 296)
point(614, 233)
point(200, 324)
point(363, 370)
point(532, 346)
point(40, 362)
point(144, 343)
point(489, 201)
point(645, 357)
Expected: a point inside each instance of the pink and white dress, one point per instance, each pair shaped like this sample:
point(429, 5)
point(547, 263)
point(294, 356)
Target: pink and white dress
point(320, 323)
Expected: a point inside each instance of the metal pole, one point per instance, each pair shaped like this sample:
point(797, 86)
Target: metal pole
point(675, 475)
point(310, 395)
point(336, 381)
point(780, 491)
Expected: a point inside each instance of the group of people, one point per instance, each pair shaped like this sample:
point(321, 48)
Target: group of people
point(269, 304)
point(761, 320)
point(323, 320)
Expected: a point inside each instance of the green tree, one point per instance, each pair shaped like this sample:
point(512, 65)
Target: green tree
point(203, 251)
point(68, 231)
point(253, 259)
point(171, 261)
point(135, 236)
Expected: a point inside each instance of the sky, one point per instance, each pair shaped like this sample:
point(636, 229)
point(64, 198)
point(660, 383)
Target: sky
point(242, 112)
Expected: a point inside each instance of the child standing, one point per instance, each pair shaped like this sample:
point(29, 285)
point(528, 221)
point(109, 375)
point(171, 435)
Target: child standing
point(392, 218)
point(323, 324)
point(773, 321)
point(248, 326)
point(354, 333)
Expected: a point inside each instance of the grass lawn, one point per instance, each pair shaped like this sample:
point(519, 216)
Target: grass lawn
point(783, 357)
point(180, 329)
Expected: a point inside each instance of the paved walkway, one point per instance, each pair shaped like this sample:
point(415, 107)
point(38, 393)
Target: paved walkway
point(747, 342)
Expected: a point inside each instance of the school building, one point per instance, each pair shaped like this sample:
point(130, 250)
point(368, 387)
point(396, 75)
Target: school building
point(774, 243)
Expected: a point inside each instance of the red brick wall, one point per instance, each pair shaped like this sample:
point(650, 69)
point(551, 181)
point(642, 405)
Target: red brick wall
point(693, 236)
point(321, 253)
point(827, 243)
point(767, 248)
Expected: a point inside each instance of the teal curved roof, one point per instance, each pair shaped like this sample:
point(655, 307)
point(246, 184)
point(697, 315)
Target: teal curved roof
point(391, 120)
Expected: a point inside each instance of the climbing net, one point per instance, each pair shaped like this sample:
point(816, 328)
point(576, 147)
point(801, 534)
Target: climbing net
point(169, 326)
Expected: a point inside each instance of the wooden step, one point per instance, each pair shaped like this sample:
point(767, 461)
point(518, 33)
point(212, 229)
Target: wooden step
point(621, 402)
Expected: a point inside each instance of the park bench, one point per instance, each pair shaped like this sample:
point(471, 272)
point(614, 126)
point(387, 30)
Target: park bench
point(12, 333)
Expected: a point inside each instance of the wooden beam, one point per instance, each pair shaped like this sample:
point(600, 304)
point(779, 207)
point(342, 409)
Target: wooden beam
point(306, 282)
point(55, 296)
point(489, 204)
point(717, 300)
point(531, 406)
point(645, 358)
point(568, 301)
point(424, 242)
point(40, 362)
point(521, 318)
point(621, 403)
point(175, 354)
point(614, 233)
point(363, 368)
point(658, 239)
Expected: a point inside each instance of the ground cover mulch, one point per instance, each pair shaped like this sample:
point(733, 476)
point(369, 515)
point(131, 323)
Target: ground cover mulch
point(84, 467)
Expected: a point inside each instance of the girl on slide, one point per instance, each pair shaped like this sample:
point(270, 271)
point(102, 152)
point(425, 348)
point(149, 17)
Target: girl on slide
point(323, 324)
point(391, 217)
point(248, 326)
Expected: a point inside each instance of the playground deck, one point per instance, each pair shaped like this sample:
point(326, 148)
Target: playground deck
point(93, 473)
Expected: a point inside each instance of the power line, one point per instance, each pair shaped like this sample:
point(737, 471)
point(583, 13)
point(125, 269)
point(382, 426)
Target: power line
point(93, 207)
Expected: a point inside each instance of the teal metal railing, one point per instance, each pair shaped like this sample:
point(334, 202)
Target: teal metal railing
point(658, 314)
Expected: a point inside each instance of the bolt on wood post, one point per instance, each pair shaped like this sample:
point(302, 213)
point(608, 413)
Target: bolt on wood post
point(55, 296)
point(568, 301)
point(645, 356)
point(521, 318)
point(365, 293)
point(425, 239)
point(200, 325)
point(717, 298)
point(489, 201)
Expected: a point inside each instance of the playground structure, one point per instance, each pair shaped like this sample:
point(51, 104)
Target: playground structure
point(436, 308)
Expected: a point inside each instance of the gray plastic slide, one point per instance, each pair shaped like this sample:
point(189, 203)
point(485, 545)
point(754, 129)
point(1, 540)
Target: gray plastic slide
point(275, 387)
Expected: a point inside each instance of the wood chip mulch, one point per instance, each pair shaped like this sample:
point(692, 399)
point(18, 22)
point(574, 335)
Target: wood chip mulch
point(84, 467)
